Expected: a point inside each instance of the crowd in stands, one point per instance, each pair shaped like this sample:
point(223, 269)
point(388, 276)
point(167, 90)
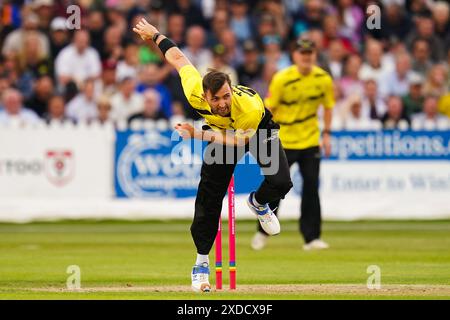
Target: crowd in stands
point(396, 76)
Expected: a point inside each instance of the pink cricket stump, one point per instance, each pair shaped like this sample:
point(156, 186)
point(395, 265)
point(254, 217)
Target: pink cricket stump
point(218, 247)
point(231, 241)
point(232, 234)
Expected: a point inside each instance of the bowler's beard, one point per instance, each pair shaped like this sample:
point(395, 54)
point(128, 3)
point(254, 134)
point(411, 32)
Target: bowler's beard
point(223, 112)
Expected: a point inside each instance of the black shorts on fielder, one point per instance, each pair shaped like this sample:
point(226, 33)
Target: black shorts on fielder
point(215, 179)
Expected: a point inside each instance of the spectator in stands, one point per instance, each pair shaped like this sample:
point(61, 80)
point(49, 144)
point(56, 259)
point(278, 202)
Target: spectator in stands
point(441, 18)
point(14, 111)
point(272, 52)
point(437, 81)
point(104, 109)
point(376, 64)
point(56, 111)
point(416, 8)
point(413, 100)
point(127, 101)
point(310, 16)
point(372, 104)
point(108, 84)
point(78, 61)
point(425, 30)
point(42, 92)
point(395, 21)
point(235, 56)
point(176, 27)
point(188, 8)
point(393, 50)
point(116, 17)
point(331, 31)
point(14, 42)
point(219, 22)
point(150, 77)
point(266, 27)
point(9, 67)
point(96, 26)
point(219, 63)
point(352, 114)
point(251, 68)
point(195, 50)
point(339, 98)
point(59, 36)
point(351, 18)
point(44, 10)
point(240, 21)
point(152, 107)
point(396, 82)
point(158, 15)
point(336, 56)
point(82, 108)
point(350, 82)
point(33, 63)
point(430, 117)
point(394, 117)
point(275, 9)
point(112, 44)
point(421, 56)
point(128, 67)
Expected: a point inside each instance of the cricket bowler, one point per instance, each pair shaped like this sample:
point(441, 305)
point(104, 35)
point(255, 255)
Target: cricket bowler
point(236, 119)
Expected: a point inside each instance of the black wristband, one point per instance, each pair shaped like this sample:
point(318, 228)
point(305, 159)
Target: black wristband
point(326, 132)
point(165, 45)
point(156, 36)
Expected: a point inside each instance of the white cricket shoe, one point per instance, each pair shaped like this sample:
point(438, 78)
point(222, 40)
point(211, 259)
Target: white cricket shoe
point(268, 220)
point(316, 244)
point(200, 278)
point(259, 241)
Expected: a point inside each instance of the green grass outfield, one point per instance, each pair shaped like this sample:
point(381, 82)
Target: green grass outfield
point(153, 260)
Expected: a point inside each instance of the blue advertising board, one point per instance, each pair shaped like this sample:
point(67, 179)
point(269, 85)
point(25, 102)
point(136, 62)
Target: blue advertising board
point(158, 164)
point(391, 145)
point(154, 164)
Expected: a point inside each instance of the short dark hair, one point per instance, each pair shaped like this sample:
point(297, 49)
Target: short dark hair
point(214, 80)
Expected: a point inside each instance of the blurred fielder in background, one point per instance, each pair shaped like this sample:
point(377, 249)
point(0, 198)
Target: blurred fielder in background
point(237, 116)
point(295, 95)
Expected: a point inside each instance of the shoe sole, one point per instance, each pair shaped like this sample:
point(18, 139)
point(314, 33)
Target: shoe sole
point(256, 248)
point(309, 248)
point(204, 287)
